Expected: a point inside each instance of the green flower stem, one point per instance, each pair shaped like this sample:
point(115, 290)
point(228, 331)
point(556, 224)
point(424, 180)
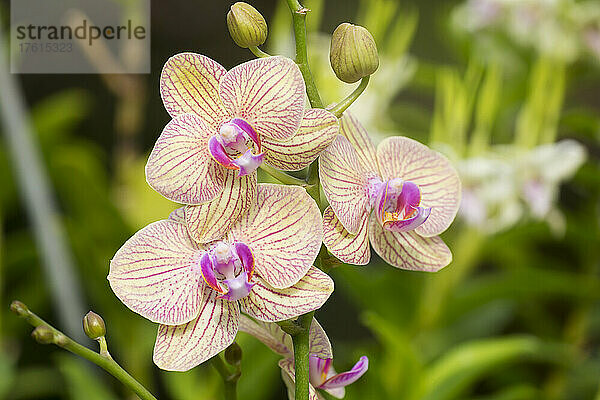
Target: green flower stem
point(340, 107)
point(258, 52)
point(299, 331)
point(299, 20)
point(282, 176)
point(230, 379)
point(104, 362)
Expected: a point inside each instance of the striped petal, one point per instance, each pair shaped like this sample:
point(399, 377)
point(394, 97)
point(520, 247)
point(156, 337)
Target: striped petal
point(189, 84)
point(284, 233)
point(155, 273)
point(211, 221)
point(366, 152)
point(351, 249)
point(268, 333)
point(182, 347)
point(344, 181)
point(268, 93)
point(342, 379)
point(318, 129)
point(180, 167)
point(272, 305)
point(281, 343)
point(178, 215)
point(401, 157)
point(288, 376)
point(408, 250)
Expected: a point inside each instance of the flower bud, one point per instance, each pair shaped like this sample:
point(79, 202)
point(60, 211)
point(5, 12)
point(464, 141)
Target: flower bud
point(247, 26)
point(353, 53)
point(19, 308)
point(233, 354)
point(93, 325)
point(43, 334)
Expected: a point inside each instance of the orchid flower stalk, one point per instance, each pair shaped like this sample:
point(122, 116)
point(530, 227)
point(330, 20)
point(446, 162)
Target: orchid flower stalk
point(322, 375)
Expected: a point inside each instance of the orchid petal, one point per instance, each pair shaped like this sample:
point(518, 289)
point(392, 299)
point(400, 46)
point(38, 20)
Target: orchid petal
point(284, 233)
point(351, 249)
point(272, 305)
point(268, 93)
point(208, 273)
point(344, 181)
point(288, 376)
point(268, 333)
point(182, 347)
point(408, 250)
point(211, 221)
point(401, 157)
point(246, 258)
point(189, 84)
point(366, 152)
point(281, 343)
point(180, 166)
point(178, 215)
point(155, 273)
point(218, 153)
point(346, 378)
point(318, 129)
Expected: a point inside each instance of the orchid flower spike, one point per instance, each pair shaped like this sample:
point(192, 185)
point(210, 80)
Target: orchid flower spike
point(321, 373)
point(225, 124)
point(196, 291)
point(398, 197)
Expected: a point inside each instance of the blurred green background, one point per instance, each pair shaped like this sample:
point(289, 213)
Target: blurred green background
point(491, 83)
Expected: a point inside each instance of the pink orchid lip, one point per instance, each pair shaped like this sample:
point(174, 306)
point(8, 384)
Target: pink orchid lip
point(228, 269)
point(235, 145)
point(322, 375)
point(397, 204)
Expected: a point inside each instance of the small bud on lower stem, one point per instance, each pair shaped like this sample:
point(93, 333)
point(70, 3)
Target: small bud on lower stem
point(353, 53)
point(233, 354)
point(43, 334)
point(247, 26)
point(93, 325)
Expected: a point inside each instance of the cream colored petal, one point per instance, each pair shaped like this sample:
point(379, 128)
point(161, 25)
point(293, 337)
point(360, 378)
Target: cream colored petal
point(272, 305)
point(284, 233)
point(352, 130)
point(344, 181)
point(318, 129)
point(182, 347)
point(408, 250)
point(189, 84)
point(211, 221)
point(155, 273)
point(180, 166)
point(351, 249)
point(401, 157)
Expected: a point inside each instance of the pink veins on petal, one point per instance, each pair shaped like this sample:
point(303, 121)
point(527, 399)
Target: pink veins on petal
point(237, 146)
point(228, 269)
point(397, 204)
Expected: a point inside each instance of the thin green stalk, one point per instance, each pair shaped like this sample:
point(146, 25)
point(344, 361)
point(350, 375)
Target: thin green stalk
point(299, 20)
point(258, 52)
point(340, 107)
point(301, 353)
point(104, 362)
point(282, 176)
point(230, 379)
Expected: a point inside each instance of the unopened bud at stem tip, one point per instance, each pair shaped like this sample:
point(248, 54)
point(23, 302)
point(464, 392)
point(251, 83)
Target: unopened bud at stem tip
point(246, 25)
point(93, 325)
point(353, 53)
point(19, 308)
